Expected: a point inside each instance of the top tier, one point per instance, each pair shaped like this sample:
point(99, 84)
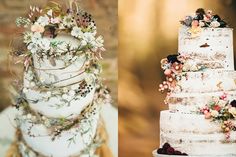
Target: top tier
point(60, 44)
point(206, 41)
point(211, 48)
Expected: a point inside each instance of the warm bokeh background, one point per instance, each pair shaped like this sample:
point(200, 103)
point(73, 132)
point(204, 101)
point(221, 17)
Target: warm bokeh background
point(105, 15)
point(148, 32)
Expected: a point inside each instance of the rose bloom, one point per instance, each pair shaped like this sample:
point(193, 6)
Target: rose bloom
point(37, 28)
point(195, 23)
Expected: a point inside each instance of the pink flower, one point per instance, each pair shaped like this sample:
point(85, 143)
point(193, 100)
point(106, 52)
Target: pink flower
point(217, 108)
point(55, 20)
point(37, 28)
point(195, 23)
point(208, 115)
point(223, 97)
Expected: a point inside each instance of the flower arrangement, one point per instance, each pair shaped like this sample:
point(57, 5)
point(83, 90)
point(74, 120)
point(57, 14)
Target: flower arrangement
point(43, 25)
point(174, 66)
point(201, 19)
point(223, 111)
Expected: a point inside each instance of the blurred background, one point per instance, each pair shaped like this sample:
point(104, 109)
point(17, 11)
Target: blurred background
point(104, 13)
point(148, 31)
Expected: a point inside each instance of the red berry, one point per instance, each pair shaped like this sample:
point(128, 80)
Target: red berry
point(177, 152)
point(170, 151)
point(166, 146)
point(184, 154)
point(161, 151)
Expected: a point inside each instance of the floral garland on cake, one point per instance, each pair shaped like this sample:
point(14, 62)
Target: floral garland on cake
point(202, 19)
point(47, 23)
point(222, 111)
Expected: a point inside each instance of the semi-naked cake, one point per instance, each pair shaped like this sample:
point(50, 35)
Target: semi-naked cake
point(201, 85)
point(60, 99)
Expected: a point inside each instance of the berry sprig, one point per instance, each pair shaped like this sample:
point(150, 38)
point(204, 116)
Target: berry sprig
point(223, 111)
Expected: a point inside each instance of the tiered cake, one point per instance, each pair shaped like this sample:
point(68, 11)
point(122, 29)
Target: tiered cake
point(201, 85)
point(61, 95)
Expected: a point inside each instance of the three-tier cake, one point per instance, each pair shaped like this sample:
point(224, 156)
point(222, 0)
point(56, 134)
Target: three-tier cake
point(201, 85)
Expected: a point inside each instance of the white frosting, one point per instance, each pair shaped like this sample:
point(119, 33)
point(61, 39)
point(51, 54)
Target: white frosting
point(220, 41)
point(55, 107)
point(60, 74)
point(55, 103)
point(191, 102)
point(207, 81)
point(194, 135)
point(61, 147)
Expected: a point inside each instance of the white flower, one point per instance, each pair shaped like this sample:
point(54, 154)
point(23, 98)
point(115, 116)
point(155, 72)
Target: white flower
point(214, 113)
point(215, 24)
point(201, 24)
point(74, 87)
point(83, 43)
point(71, 93)
point(65, 90)
point(33, 48)
point(49, 94)
point(49, 12)
point(232, 110)
point(45, 44)
point(29, 116)
point(25, 90)
point(68, 21)
point(89, 80)
point(28, 37)
point(65, 96)
point(100, 41)
point(42, 79)
point(43, 20)
point(88, 38)
point(36, 38)
point(32, 84)
point(77, 32)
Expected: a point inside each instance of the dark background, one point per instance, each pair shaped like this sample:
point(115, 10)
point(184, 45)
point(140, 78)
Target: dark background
point(148, 31)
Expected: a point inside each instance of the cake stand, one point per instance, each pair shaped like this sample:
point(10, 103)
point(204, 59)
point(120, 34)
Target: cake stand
point(155, 154)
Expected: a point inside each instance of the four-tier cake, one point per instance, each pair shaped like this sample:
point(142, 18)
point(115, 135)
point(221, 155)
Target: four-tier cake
point(60, 99)
point(201, 85)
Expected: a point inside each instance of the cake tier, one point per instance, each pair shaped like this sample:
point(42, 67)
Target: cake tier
point(191, 102)
point(206, 81)
point(194, 135)
point(64, 69)
point(60, 102)
point(27, 152)
point(70, 142)
point(212, 48)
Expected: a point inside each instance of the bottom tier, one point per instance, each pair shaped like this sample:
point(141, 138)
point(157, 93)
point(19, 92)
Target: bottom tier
point(68, 143)
point(194, 135)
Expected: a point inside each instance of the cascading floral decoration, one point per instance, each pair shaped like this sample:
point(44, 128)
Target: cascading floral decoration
point(223, 111)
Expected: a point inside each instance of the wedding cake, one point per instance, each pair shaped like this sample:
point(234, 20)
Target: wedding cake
point(201, 90)
point(60, 99)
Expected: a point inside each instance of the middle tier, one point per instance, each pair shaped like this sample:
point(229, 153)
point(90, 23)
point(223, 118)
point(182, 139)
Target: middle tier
point(206, 81)
point(58, 102)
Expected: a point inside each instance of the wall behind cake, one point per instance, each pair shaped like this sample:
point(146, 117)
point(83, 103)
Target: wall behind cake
point(105, 15)
point(148, 33)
